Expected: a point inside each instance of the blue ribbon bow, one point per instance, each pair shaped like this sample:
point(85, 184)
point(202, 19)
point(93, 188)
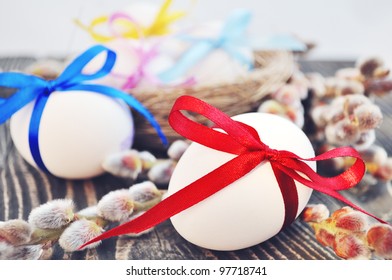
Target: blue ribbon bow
point(32, 87)
point(230, 38)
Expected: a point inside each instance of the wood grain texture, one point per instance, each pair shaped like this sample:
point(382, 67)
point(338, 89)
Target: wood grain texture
point(23, 187)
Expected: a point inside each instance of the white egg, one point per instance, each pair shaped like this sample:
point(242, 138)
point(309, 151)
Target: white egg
point(218, 66)
point(78, 130)
point(250, 210)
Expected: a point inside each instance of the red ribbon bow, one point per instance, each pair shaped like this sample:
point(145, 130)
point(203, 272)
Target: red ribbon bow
point(243, 141)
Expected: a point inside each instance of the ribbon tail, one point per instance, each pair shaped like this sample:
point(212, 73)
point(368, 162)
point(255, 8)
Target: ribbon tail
point(28, 86)
point(190, 195)
point(340, 197)
point(347, 179)
point(163, 19)
point(324, 187)
point(234, 52)
point(18, 80)
point(12, 104)
point(135, 104)
point(34, 131)
point(162, 12)
point(289, 194)
point(131, 82)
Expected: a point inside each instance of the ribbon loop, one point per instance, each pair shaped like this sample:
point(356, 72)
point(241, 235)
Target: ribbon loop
point(233, 141)
point(73, 74)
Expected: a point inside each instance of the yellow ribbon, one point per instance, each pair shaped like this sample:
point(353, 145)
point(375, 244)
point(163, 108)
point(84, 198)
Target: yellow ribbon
point(91, 29)
point(130, 30)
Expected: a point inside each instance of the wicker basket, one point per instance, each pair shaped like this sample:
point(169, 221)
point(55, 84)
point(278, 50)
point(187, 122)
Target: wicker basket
point(272, 69)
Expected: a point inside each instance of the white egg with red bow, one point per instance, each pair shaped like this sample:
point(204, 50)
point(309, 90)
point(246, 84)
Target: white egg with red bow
point(77, 131)
point(250, 210)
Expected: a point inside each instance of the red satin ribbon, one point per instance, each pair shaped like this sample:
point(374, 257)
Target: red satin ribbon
point(243, 141)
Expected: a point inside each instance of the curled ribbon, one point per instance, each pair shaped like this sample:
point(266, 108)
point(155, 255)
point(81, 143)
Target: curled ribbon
point(32, 88)
point(243, 141)
point(141, 71)
point(146, 56)
point(230, 38)
point(130, 29)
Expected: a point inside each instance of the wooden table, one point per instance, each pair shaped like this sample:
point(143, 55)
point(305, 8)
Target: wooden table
point(23, 187)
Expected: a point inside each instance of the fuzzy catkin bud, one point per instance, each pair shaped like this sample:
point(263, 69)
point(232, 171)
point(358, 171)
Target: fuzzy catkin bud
point(88, 212)
point(324, 236)
point(125, 164)
point(144, 191)
point(5, 250)
point(333, 114)
point(379, 86)
point(384, 171)
point(288, 94)
point(48, 69)
point(374, 154)
point(349, 73)
point(15, 232)
point(54, 214)
point(116, 206)
point(342, 211)
point(272, 106)
point(369, 116)
point(343, 132)
point(355, 100)
point(162, 171)
point(28, 252)
point(318, 115)
point(336, 86)
point(315, 213)
point(352, 247)
point(316, 84)
point(368, 66)
point(301, 82)
point(148, 159)
point(366, 139)
point(78, 233)
point(177, 149)
point(353, 221)
point(379, 237)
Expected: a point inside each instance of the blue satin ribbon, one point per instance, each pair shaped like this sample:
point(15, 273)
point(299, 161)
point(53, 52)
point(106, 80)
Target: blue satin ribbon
point(31, 88)
point(230, 39)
